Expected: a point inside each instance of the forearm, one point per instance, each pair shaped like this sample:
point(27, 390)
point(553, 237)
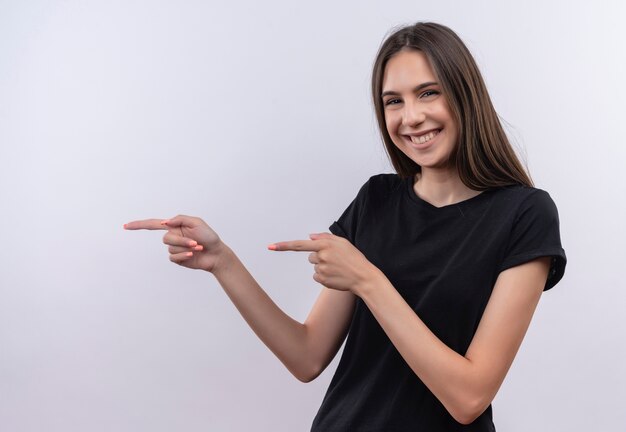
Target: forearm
point(284, 336)
point(465, 384)
point(450, 377)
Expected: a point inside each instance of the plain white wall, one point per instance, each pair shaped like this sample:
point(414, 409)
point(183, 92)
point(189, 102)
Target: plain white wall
point(256, 117)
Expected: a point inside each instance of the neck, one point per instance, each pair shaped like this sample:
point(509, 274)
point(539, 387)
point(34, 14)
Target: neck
point(441, 187)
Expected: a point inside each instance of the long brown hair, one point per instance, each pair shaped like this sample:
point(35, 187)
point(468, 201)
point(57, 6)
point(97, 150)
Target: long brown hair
point(484, 157)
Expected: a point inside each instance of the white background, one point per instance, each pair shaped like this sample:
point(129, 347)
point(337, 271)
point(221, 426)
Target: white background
point(256, 116)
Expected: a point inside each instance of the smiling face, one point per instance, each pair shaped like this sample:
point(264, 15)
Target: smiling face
point(417, 115)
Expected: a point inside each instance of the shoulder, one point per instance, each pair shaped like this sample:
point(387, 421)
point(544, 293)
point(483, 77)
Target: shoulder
point(382, 185)
point(372, 195)
point(533, 227)
point(521, 200)
point(520, 193)
point(389, 179)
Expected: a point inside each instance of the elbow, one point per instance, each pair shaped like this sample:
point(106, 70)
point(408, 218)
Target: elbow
point(468, 412)
point(466, 418)
point(305, 378)
point(306, 375)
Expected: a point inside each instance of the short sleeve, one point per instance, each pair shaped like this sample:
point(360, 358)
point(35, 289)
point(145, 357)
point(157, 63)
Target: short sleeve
point(346, 225)
point(535, 233)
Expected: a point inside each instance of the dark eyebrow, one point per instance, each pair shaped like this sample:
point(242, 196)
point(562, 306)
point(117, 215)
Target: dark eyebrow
point(416, 89)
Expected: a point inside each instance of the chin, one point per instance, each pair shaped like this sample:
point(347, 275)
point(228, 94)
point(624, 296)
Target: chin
point(439, 163)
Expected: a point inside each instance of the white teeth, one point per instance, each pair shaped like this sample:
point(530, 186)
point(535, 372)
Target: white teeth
point(424, 138)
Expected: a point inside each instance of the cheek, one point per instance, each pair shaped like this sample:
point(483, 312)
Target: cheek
point(392, 124)
point(453, 134)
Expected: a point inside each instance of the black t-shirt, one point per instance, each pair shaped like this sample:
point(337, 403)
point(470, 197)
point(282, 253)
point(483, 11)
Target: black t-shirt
point(444, 262)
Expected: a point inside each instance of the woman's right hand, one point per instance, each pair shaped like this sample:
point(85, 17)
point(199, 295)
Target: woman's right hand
point(192, 243)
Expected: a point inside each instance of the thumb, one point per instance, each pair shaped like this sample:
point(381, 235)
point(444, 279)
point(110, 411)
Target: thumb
point(178, 221)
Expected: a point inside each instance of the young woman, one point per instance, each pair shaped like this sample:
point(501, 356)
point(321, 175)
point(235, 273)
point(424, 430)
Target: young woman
point(434, 272)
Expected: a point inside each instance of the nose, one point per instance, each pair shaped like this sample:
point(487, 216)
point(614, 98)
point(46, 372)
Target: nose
point(413, 114)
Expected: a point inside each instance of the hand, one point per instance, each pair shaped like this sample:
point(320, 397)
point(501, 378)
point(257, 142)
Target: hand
point(338, 264)
point(192, 243)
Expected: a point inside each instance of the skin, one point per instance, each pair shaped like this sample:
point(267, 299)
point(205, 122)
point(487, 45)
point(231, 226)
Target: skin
point(410, 112)
point(465, 385)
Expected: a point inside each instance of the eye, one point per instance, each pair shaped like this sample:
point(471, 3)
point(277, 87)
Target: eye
point(391, 101)
point(430, 91)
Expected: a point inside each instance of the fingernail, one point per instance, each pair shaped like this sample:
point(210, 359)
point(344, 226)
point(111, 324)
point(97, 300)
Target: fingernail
point(124, 226)
point(193, 243)
point(189, 253)
point(272, 247)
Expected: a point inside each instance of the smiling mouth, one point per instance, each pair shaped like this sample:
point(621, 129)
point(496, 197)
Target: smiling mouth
point(423, 139)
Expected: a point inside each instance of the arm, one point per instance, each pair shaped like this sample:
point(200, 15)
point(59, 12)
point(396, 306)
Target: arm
point(465, 385)
point(305, 349)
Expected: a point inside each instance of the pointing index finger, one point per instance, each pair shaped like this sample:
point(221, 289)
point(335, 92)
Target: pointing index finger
point(149, 224)
point(296, 245)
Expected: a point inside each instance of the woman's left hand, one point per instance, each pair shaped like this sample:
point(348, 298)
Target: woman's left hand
point(337, 263)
